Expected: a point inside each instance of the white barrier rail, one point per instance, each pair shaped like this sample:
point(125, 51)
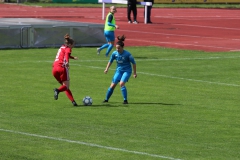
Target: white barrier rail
point(123, 2)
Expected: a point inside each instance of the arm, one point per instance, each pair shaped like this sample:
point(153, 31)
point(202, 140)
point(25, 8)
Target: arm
point(75, 58)
point(108, 65)
point(110, 20)
point(134, 70)
point(134, 66)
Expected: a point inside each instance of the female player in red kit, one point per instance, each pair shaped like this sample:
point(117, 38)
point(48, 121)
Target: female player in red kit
point(61, 69)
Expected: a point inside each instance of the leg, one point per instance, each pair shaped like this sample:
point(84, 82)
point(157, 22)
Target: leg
point(69, 93)
point(129, 13)
point(124, 90)
point(149, 8)
point(110, 37)
point(116, 78)
point(110, 46)
point(135, 13)
point(109, 92)
point(106, 45)
point(124, 79)
point(60, 74)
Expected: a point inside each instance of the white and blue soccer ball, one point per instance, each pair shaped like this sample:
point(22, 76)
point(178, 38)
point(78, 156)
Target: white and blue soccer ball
point(87, 101)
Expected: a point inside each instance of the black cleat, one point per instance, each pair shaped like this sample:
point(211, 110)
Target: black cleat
point(74, 103)
point(56, 92)
point(125, 102)
point(105, 101)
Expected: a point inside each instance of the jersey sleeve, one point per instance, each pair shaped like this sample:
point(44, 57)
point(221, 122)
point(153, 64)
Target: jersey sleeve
point(110, 18)
point(131, 59)
point(112, 58)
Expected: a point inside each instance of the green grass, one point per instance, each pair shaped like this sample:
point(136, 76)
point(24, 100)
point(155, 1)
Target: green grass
point(183, 104)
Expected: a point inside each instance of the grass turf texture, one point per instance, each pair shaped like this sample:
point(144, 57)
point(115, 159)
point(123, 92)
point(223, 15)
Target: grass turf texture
point(184, 104)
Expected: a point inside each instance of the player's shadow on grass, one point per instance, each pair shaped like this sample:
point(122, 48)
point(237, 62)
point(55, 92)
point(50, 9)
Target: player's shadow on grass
point(156, 103)
point(140, 103)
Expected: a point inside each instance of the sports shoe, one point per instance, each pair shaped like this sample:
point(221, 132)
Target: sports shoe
point(56, 92)
point(125, 102)
point(98, 51)
point(74, 103)
point(129, 21)
point(135, 22)
point(105, 101)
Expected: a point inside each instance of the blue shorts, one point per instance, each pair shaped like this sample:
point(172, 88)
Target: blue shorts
point(121, 76)
point(109, 35)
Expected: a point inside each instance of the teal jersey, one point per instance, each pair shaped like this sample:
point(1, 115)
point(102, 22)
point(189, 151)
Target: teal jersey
point(123, 60)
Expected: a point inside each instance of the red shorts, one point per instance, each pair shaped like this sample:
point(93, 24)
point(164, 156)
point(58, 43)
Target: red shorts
point(60, 73)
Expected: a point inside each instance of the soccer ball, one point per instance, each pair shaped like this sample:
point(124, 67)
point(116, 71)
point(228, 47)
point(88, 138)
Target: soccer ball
point(87, 101)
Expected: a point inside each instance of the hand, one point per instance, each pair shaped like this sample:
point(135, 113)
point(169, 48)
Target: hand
point(75, 58)
point(105, 71)
point(135, 75)
point(116, 26)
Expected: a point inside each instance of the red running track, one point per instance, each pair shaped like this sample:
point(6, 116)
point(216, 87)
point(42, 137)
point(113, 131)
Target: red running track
point(194, 29)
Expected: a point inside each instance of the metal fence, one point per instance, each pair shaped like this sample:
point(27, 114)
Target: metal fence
point(36, 33)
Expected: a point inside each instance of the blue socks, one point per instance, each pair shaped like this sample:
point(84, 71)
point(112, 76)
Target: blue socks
point(104, 46)
point(109, 93)
point(108, 46)
point(124, 92)
point(109, 49)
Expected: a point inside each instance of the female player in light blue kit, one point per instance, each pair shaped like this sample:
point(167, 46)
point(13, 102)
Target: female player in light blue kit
point(123, 71)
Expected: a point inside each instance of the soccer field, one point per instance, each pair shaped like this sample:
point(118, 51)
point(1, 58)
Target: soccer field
point(183, 105)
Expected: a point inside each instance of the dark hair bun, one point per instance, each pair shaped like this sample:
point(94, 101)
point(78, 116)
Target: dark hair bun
point(121, 38)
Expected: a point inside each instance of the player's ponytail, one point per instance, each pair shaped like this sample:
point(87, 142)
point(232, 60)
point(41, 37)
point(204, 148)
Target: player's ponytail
point(120, 40)
point(68, 40)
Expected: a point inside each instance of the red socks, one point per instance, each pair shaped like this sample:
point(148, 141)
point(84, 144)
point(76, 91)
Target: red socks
point(62, 88)
point(67, 91)
point(69, 95)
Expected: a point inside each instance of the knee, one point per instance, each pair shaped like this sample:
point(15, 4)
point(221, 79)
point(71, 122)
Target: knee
point(122, 84)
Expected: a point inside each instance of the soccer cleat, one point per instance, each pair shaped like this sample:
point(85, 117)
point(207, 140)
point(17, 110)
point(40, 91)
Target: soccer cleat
point(135, 22)
point(125, 102)
point(105, 101)
point(74, 103)
point(129, 21)
point(56, 92)
point(98, 51)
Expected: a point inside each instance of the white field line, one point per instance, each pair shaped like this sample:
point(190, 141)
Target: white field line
point(150, 74)
point(88, 144)
point(195, 80)
point(171, 77)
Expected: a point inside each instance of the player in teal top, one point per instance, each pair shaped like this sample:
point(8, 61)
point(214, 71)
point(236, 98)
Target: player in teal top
point(123, 71)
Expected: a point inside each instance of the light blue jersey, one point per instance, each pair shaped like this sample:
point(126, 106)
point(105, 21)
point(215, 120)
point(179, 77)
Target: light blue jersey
point(122, 74)
point(123, 60)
